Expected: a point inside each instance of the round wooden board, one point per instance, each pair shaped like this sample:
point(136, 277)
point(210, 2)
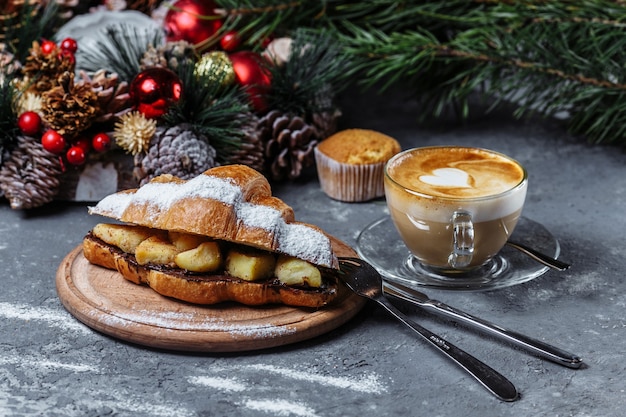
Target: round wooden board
point(105, 301)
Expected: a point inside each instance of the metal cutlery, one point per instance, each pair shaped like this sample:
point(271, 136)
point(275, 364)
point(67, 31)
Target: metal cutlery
point(540, 348)
point(365, 281)
point(542, 258)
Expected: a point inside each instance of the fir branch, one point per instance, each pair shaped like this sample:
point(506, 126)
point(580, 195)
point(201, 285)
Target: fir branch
point(211, 108)
point(256, 21)
point(544, 56)
point(122, 50)
point(31, 23)
point(316, 65)
point(8, 118)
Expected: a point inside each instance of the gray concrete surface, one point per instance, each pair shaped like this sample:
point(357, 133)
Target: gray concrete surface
point(52, 365)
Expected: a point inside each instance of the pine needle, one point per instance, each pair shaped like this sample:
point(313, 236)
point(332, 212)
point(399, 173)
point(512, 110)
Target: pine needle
point(32, 23)
point(545, 57)
point(211, 108)
point(315, 66)
point(122, 50)
point(8, 118)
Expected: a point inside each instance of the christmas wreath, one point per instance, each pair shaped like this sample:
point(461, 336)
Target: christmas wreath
point(177, 87)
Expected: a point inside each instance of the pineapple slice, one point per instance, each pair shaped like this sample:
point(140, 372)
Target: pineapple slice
point(186, 241)
point(206, 257)
point(123, 236)
point(250, 266)
point(294, 271)
point(156, 250)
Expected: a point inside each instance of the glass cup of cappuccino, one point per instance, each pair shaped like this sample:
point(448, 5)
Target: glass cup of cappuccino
point(454, 207)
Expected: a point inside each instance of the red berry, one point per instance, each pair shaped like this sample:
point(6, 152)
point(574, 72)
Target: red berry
point(230, 41)
point(69, 44)
point(53, 142)
point(101, 142)
point(48, 47)
point(76, 155)
point(29, 123)
point(83, 143)
point(67, 55)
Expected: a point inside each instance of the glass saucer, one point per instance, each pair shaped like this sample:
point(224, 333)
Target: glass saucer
point(381, 246)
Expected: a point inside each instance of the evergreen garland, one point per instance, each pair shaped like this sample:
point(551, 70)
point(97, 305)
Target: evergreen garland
point(315, 65)
point(8, 127)
point(556, 57)
point(211, 107)
point(121, 51)
point(31, 23)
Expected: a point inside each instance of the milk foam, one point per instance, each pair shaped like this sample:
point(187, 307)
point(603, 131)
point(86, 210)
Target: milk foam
point(453, 172)
point(442, 180)
point(447, 177)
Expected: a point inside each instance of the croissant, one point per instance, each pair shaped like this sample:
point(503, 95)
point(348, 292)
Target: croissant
point(220, 236)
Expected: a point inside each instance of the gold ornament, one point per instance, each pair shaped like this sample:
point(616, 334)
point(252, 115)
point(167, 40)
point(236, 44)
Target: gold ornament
point(133, 132)
point(215, 67)
point(30, 102)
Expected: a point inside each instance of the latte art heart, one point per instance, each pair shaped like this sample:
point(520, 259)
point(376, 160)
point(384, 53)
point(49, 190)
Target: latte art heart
point(447, 177)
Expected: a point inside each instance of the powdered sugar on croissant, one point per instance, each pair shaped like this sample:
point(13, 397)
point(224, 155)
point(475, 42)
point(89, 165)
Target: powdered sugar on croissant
point(232, 203)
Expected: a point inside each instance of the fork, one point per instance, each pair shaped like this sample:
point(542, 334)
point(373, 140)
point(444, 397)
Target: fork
point(365, 281)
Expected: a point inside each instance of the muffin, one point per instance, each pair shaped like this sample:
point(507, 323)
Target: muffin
point(351, 164)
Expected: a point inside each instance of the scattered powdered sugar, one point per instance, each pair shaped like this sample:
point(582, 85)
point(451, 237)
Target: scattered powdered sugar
point(37, 362)
point(280, 407)
point(172, 320)
point(161, 196)
point(112, 205)
point(223, 384)
point(293, 239)
point(255, 215)
point(367, 383)
point(46, 315)
point(303, 242)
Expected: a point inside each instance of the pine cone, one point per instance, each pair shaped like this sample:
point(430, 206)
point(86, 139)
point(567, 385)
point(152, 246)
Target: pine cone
point(250, 152)
point(169, 55)
point(31, 175)
point(177, 151)
point(69, 108)
point(327, 115)
point(112, 94)
point(41, 71)
point(288, 142)
point(326, 122)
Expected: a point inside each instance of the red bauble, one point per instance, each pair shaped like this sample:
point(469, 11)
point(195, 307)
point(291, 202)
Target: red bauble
point(29, 123)
point(252, 73)
point(187, 20)
point(101, 142)
point(53, 142)
point(76, 155)
point(230, 41)
point(154, 90)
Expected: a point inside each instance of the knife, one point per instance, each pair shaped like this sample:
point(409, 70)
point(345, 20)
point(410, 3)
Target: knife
point(537, 347)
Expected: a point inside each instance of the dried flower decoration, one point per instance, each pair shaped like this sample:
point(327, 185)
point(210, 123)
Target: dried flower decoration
point(133, 132)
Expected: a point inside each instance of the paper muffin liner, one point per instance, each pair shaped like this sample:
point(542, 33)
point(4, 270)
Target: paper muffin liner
point(349, 182)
